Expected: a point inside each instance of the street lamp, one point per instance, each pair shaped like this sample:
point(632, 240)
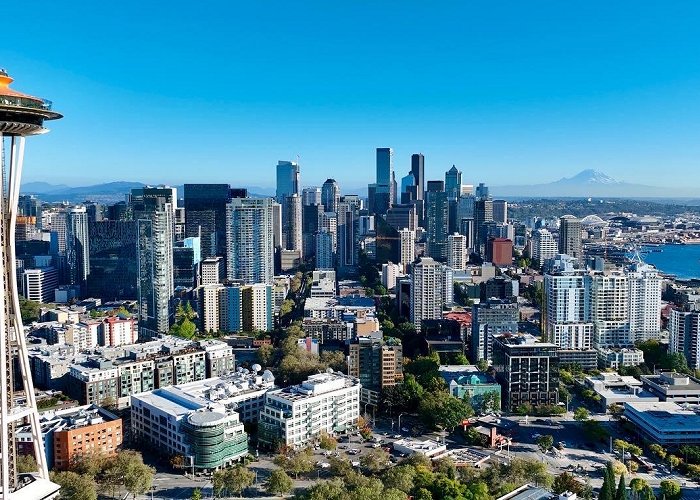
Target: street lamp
point(191, 457)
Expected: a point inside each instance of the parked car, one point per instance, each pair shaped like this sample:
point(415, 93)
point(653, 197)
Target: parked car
point(397, 436)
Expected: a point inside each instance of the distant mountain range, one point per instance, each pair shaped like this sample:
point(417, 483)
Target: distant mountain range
point(585, 184)
point(110, 192)
point(591, 183)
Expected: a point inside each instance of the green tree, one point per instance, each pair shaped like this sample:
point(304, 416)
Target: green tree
point(327, 442)
point(196, 494)
point(423, 494)
point(594, 430)
point(286, 307)
point(279, 483)
point(545, 442)
point(232, 480)
point(673, 461)
point(88, 463)
point(29, 309)
point(327, 490)
point(296, 462)
point(566, 482)
point(264, 354)
point(482, 365)
point(375, 460)
point(670, 490)
point(26, 463)
point(621, 492)
point(75, 486)
point(615, 411)
point(400, 478)
point(620, 445)
point(440, 409)
point(127, 468)
point(581, 414)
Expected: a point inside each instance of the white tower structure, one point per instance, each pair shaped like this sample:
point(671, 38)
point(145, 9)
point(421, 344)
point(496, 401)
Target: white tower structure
point(21, 115)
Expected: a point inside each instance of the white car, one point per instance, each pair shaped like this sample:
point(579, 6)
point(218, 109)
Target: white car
point(355, 463)
point(323, 465)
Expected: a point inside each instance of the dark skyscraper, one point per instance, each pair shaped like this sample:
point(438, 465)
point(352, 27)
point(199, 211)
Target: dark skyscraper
point(418, 170)
point(483, 214)
point(436, 218)
point(453, 183)
point(113, 260)
point(205, 212)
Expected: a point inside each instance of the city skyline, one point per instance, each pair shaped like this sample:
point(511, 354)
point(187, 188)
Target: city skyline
point(531, 92)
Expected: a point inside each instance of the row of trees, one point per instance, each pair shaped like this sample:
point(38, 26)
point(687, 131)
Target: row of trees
point(418, 477)
point(123, 471)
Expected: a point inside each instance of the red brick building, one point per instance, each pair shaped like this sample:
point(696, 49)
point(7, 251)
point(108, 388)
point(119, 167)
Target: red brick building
point(499, 251)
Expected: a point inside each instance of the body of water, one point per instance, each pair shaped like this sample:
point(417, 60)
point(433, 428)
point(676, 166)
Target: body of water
point(683, 261)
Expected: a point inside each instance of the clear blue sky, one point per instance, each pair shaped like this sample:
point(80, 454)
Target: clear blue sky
point(511, 92)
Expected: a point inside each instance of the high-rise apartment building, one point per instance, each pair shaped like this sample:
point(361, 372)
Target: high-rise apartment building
point(645, 303)
point(287, 180)
point(212, 271)
point(256, 306)
point(610, 310)
point(457, 252)
point(77, 247)
point(684, 335)
point(153, 211)
point(490, 318)
point(330, 195)
point(205, 216)
point(250, 245)
point(325, 256)
point(544, 246)
point(567, 313)
point(570, 236)
point(436, 218)
point(527, 370)
point(429, 283)
point(407, 251)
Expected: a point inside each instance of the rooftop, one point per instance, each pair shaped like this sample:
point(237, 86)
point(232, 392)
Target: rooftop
point(315, 385)
point(671, 382)
point(667, 416)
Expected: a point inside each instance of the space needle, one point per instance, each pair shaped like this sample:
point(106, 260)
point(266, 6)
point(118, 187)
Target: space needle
point(21, 115)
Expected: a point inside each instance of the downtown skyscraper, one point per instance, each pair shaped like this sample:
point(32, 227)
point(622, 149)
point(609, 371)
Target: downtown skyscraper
point(153, 209)
point(249, 240)
point(287, 180)
point(205, 216)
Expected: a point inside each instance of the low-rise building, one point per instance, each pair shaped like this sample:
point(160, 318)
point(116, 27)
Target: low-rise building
point(665, 423)
point(467, 381)
point(176, 423)
point(427, 447)
point(586, 359)
point(296, 415)
point(615, 389)
point(615, 358)
point(72, 432)
point(671, 386)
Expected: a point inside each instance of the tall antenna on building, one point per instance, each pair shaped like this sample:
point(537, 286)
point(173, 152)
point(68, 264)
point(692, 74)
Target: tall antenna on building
point(21, 115)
